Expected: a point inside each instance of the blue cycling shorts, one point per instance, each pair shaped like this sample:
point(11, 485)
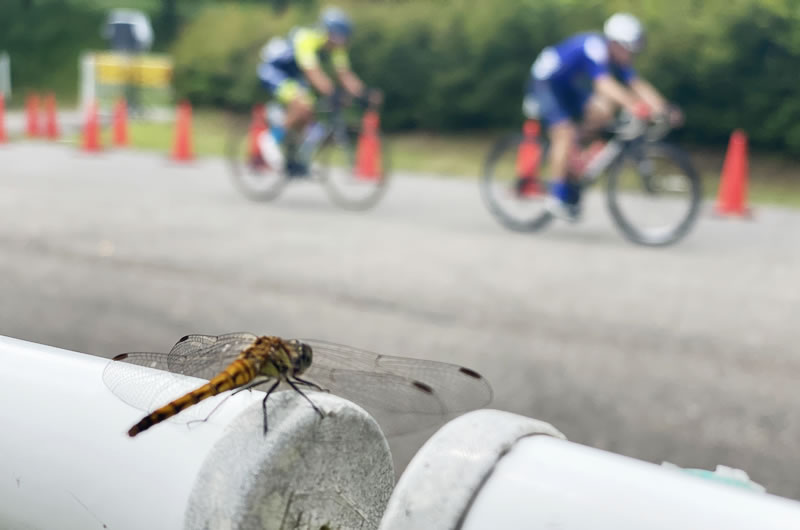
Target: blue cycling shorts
point(554, 103)
point(283, 87)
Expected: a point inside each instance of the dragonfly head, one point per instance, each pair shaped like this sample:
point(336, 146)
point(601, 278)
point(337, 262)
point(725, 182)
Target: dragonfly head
point(301, 355)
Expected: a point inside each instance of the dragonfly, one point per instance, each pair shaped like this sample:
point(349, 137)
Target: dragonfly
point(403, 393)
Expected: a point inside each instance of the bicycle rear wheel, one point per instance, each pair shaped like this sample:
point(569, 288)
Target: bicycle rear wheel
point(518, 204)
point(251, 174)
point(338, 168)
point(654, 194)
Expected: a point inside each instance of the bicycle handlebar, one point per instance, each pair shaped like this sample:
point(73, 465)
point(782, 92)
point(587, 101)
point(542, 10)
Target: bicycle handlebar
point(660, 125)
point(629, 127)
point(341, 98)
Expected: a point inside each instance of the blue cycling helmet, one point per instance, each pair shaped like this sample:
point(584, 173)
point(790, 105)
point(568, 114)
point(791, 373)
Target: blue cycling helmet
point(336, 22)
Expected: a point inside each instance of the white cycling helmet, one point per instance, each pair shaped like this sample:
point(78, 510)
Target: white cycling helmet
point(625, 29)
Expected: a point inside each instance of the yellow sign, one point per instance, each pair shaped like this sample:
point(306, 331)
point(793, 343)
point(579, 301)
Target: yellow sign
point(143, 70)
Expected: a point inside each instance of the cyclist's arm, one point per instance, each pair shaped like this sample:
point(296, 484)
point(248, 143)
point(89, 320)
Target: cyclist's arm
point(351, 82)
point(649, 95)
point(597, 62)
point(607, 86)
point(319, 80)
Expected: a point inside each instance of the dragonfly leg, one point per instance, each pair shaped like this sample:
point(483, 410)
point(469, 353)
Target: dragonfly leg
point(246, 387)
point(316, 408)
point(249, 386)
point(264, 403)
point(311, 384)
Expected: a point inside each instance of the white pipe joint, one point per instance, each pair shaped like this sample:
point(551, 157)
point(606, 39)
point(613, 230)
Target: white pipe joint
point(492, 469)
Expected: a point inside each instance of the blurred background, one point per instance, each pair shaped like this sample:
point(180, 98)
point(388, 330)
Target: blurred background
point(686, 354)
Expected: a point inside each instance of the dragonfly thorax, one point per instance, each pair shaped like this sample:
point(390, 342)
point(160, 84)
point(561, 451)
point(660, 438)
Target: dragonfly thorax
point(278, 358)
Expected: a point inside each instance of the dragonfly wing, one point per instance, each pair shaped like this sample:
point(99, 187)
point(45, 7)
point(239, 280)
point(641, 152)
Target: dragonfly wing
point(459, 389)
point(139, 380)
point(399, 404)
point(197, 341)
point(142, 380)
point(206, 355)
point(191, 343)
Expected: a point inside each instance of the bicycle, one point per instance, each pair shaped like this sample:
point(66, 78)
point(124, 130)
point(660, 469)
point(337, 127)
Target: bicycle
point(632, 155)
point(333, 162)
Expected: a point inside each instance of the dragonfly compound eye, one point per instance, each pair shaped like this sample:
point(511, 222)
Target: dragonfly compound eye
point(306, 354)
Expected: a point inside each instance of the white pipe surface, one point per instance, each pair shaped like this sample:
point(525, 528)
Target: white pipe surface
point(493, 469)
point(66, 461)
point(544, 482)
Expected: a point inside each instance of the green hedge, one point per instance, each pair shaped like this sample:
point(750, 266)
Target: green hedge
point(45, 42)
point(45, 38)
point(461, 64)
point(216, 55)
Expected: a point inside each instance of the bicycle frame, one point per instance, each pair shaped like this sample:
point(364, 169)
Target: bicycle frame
point(329, 115)
point(602, 161)
point(635, 131)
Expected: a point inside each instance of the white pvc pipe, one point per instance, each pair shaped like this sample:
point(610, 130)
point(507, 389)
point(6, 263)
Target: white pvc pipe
point(549, 483)
point(492, 469)
point(66, 461)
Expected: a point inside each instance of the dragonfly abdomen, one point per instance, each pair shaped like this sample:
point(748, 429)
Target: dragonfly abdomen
point(238, 373)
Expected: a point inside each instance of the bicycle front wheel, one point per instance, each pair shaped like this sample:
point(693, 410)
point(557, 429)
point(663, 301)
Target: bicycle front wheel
point(519, 204)
point(251, 174)
point(654, 194)
point(355, 174)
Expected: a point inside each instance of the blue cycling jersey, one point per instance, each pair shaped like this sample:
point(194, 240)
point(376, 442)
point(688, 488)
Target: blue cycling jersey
point(577, 61)
point(562, 77)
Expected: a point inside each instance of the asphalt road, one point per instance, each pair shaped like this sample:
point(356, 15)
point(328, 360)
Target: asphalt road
point(687, 354)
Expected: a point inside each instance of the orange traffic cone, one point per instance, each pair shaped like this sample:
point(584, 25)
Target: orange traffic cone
point(32, 114)
point(529, 155)
point(732, 196)
point(182, 147)
point(3, 136)
point(120, 124)
point(51, 129)
point(91, 130)
point(257, 126)
point(368, 150)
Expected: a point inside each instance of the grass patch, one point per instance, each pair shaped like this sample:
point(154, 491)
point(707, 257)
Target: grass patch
point(458, 156)
point(209, 134)
point(762, 190)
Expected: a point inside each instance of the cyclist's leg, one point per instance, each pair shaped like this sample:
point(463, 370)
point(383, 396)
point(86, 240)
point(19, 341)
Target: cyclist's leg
point(274, 80)
point(562, 142)
point(557, 117)
point(565, 188)
point(557, 113)
point(300, 112)
point(598, 113)
point(299, 104)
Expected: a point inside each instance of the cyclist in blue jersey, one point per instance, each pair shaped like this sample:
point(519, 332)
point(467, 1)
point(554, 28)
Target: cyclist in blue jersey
point(575, 88)
point(291, 66)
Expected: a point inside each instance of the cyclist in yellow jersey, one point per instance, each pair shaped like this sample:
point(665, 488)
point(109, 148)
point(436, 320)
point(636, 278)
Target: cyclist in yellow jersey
point(290, 67)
